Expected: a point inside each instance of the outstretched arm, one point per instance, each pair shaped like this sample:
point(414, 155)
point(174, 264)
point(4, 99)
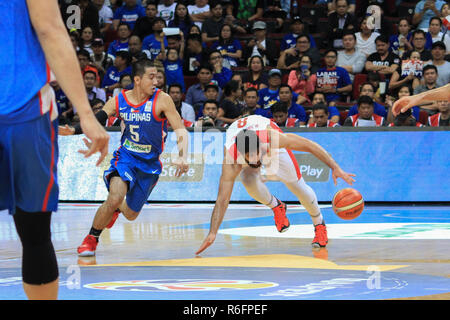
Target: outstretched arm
point(297, 143)
point(229, 173)
point(405, 103)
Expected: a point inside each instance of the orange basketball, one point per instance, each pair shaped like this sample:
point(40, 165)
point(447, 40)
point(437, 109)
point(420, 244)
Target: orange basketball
point(348, 203)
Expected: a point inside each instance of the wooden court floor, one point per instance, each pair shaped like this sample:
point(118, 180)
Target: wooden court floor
point(398, 252)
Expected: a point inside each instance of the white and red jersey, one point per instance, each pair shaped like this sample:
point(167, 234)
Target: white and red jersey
point(330, 124)
point(271, 157)
point(379, 120)
point(433, 121)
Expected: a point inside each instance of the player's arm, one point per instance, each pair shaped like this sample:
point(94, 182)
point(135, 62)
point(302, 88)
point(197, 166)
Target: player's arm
point(165, 105)
point(405, 103)
point(109, 109)
point(46, 19)
point(294, 142)
point(230, 171)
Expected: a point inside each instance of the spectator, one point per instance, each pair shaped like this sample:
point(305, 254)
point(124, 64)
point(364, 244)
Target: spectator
point(92, 91)
point(262, 46)
point(166, 10)
point(195, 55)
point(279, 112)
point(237, 27)
point(211, 27)
point(99, 57)
point(379, 86)
point(382, 61)
point(435, 34)
point(405, 119)
point(332, 80)
point(196, 30)
point(122, 64)
point(256, 77)
point(399, 43)
point(403, 91)
point(424, 11)
point(181, 19)
point(350, 58)
point(442, 118)
point(121, 44)
point(443, 67)
point(173, 68)
point(84, 58)
point(339, 22)
point(126, 83)
point(331, 6)
point(199, 12)
point(418, 44)
point(365, 39)
point(135, 49)
point(212, 91)
point(128, 13)
point(105, 15)
point(445, 17)
point(251, 100)
point(406, 74)
point(430, 76)
point(333, 112)
point(229, 108)
point(270, 95)
point(297, 27)
point(210, 118)
point(278, 10)
point(195, 95)
point(238, 78)
point(294, 110)
point(368, 89)
point(302, 80)
point(250, 11)
point(220, 73)
point(365, 116)
point(87, 36)
point(186, 111)
point(75, 39)
point(229, 47)
point(143, 26)
point(320, 116)
point(152, 44)
point(290, 58)
point(161, 82)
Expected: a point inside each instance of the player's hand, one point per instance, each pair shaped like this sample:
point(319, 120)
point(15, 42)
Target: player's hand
point(182, 166)
point(209, 240)
point(403, 104)
point(347, 177)
point(66, 130)
point(98, 136)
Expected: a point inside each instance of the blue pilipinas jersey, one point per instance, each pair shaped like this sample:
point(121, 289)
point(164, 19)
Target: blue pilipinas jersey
point(23, 68)
point(144, 135)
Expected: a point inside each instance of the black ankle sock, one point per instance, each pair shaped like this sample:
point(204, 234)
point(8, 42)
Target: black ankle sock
point(96, 233)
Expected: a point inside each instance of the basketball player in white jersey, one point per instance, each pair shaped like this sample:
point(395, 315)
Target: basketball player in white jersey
point(253, 141)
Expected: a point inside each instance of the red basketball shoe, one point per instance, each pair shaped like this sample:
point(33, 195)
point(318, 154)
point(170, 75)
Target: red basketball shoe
point(321, 238)
point(113, 219)
point(87, 248)
point(281, 221)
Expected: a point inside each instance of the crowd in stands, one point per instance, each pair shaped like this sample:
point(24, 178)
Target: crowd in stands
point(323, 63)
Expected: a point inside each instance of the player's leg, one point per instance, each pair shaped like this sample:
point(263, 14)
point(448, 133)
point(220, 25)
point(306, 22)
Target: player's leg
point(256, 188)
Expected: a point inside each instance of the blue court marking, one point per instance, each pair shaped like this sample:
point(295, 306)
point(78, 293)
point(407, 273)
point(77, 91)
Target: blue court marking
point(282, 284)
point(369, 215)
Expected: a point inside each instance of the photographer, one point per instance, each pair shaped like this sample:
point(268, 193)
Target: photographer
point(209, 119)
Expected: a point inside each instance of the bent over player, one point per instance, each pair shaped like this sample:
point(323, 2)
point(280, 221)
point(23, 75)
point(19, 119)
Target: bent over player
point(253, 141)
point(135, 166)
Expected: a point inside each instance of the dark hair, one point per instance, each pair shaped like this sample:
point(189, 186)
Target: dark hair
point(383, 38)
point(206, 66)
point(95, 101)
point(175, 85)
point(213, 51)
point(279, 107)
point(139, 67)
point(90, 71)
point(428, 67)
point(226, 41)
point(320, 106)
point(417, 31)
point(194, 37)
point(246, 109)
point(365, 99)
point(330, 50)
point(83, 52)
point(158, 19)
point(125, 75)
point(283, 85)
point(303, 35)
point(176, 19)
point(251, 89)
point(366, 84)
point(230, 87)
point(436, 18)
point(349, 33)
point(125, 55)
point(212, 101)
point(247, 141)
point(405, 86)
point(124, 24)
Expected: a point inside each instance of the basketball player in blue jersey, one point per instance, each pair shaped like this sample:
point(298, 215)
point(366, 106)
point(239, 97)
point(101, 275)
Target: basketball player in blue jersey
point(35, 41)
point(135, 166)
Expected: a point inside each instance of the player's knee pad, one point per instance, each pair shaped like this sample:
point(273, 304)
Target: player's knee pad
point(39, 264)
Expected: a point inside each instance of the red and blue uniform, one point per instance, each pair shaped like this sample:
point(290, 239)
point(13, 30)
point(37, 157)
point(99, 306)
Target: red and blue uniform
point(28, 117)
point(136, 161)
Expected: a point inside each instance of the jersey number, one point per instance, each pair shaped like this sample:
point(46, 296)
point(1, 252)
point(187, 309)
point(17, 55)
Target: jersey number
point(134, 134)
point(242, 123)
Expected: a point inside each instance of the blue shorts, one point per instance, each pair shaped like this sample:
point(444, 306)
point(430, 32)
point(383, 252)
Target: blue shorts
point(28, 161)
point(140, 183)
